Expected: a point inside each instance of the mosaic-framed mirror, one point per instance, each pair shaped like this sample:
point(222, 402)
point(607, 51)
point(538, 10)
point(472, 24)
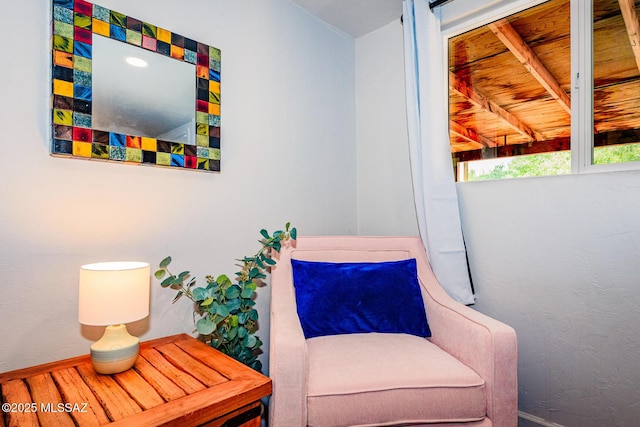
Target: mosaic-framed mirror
point(188, 140)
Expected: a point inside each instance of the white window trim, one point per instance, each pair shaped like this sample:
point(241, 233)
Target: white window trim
point(581, 86)
point(459, 17)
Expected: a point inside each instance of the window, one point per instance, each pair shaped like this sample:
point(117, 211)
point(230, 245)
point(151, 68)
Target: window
point(524, 99)
point(616, 81)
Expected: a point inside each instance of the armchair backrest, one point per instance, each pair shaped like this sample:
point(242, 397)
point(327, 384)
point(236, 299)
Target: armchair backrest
point(358, 249)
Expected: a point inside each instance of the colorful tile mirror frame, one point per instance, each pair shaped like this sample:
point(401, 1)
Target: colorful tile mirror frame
point(73, 26)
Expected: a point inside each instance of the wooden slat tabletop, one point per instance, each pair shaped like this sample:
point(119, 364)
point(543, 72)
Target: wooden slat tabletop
point(176, 380)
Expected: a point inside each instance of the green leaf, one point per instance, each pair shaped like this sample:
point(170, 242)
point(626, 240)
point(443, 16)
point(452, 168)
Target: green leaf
point(242, 318)
point(242, 332)
point(254, 273)
point(287, 225)
point(206, 302)
point(232, 333)
point(270, 261)
point(216, 343)
point(250, 341)
point(205, 326)
point(165, 262)
point(247, 293)
point(213, 287)
point(222, 311)
point(222, 279)
point(218, 320)
point(233, 292)
point(293, 233)
point(160, 274)
point(177, 296)
point(200, 294)
point(167, 282)
point(233, 320)
point(233, 305)
point(253, 314)
point(264, 233)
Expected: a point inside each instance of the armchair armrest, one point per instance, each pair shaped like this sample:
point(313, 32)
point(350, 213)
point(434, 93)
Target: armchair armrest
point(486, 345)
point(288, 363)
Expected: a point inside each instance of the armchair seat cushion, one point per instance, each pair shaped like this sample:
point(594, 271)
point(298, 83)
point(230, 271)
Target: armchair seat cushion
point(388, 379)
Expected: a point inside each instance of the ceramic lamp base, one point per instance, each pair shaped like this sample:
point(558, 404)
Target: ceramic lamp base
point(115, 352)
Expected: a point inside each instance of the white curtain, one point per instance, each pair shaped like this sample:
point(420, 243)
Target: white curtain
point(434, 188)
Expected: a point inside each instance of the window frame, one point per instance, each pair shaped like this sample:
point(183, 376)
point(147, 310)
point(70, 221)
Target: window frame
point(457, 20)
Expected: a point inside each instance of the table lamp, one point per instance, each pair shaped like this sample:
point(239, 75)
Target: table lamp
point(112, 294)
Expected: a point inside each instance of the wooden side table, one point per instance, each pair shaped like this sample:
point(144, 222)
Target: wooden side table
point(176, 381)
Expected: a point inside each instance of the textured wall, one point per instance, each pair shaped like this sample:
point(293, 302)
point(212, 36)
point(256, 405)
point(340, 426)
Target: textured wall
point(288, 153)
point(557, 258)
point(384, 174)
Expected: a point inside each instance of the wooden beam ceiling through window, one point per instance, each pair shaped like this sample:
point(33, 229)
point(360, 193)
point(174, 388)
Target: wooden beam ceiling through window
point(628, 9)
point(511, 150)
point(470, 135)
point(472, 95)
point(617, 137)
point(512, 40)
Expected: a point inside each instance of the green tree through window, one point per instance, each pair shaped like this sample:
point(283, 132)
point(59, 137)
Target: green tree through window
point(556, 163)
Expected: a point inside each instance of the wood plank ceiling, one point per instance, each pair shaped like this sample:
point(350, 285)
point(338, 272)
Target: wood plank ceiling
point(509, 81)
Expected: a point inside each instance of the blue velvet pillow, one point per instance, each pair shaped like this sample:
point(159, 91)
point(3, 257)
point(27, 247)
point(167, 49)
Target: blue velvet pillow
point(346, 298)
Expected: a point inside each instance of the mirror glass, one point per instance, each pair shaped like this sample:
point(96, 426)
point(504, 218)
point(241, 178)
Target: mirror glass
point(164, 113)
point(138, 92)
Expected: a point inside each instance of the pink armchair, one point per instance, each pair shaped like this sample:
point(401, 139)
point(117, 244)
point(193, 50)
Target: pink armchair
point(465, 374)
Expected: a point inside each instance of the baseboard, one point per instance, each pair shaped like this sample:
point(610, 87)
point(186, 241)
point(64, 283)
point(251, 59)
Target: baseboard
point(528, 420)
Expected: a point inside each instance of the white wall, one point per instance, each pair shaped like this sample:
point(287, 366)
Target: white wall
point(288, 154)
point(557, 258)
point(385, 201)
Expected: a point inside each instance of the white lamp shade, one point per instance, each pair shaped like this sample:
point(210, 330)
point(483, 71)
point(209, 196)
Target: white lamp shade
point(111, 293)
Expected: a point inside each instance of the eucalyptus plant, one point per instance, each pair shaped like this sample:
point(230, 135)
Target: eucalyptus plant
point(224, 309)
